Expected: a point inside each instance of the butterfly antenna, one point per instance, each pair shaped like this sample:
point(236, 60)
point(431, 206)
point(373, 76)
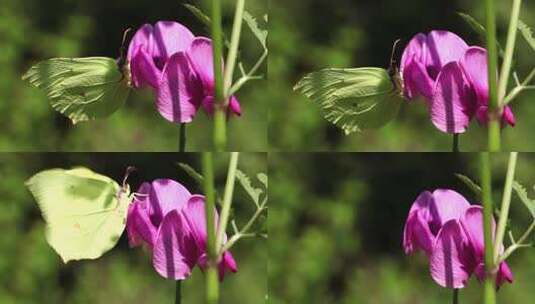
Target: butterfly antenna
point(394, 47)
point(129, 170)
point(122, 49)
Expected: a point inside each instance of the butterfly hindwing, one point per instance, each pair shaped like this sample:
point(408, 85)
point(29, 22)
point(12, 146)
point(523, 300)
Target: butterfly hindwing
point(85, 212)
point(81, 88)
point(353, 99)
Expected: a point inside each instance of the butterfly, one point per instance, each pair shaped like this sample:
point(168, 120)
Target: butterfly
point(85, 212)
point(354, 99)
point(83, 88)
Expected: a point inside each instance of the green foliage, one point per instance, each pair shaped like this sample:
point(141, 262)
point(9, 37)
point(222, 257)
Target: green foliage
point(192, 173)
point(473, 186)
point(527, 33)
point(253, 191)
point(353, 99)
point(81, 88)
point(85, 212)
point(523, 196)
point(252, 23)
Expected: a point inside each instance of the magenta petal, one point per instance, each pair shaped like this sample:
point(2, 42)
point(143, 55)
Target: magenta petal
point(416, 81)
point(443, 47)
point(474, 64)
point(194, 214)
point(161, 196)
point(178, 92)
point(138, 225)
point(227, 264)
point(472, 223)
point(142, 39)
point(143, 71)
point(450, 261)
point(504, 274)
point(175, 253)
point(508, 117)
point(414, 51)
point(170, 37)
point(417, 235)
point(452, 103)
point(234, 105)
point(201, 58)
point(446, 205)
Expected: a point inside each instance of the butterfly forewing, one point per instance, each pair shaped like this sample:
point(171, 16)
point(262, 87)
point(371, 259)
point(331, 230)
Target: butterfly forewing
point(353, 99)
point(85, 212)
point(81, 88)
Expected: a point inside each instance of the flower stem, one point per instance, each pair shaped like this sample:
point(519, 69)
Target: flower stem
point(182, 138)
point(494, 108)
point(506, 202)
point(233, 48)
point(227, 201)
point(212, 283)
point(219, 96)
point(455, 296)
point(509, 49)
point(455, 146)
point(178, 295)
point(489, 294)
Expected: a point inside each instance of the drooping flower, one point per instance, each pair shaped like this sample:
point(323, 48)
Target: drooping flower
point(450, 231)
point(172, 223)
point(178, 66)
point(452, 77)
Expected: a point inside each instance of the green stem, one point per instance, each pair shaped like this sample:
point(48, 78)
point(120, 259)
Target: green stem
point(517, 244)
point(494, 110)
point(455, 296)
point(509, 49)
point(212, 283)
point(489, 294)
point(455, 146)
point(219, 96)
point(178, 295)
point(233, 48)
point(182, 138)
point(227, 201)
point(506, 202)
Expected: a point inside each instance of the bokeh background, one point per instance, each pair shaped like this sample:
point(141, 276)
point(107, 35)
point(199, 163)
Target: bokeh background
point(336, 223)
point(31, 272)
point(308, 35)
point(35, 30)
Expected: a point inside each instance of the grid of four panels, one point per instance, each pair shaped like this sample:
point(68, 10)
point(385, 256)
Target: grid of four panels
point(138, 139)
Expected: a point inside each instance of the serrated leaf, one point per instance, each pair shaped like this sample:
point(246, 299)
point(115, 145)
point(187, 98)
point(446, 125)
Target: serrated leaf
point(470, 184)
point(192, 173)
point(353, 99)
point(203, 18)
point(252, 23)
point(522, 194)
point(527, 33)
point(245, 182)
point(263, 178)
point(479, 29)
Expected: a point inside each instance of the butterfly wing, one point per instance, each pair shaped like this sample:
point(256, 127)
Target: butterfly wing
point(81, 88)
point(85, 212)
point(353, 99)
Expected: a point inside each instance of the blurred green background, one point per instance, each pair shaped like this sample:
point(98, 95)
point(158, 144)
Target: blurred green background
point(336, 226)
point(308, 35)
point(35, 30)
point(31, 272)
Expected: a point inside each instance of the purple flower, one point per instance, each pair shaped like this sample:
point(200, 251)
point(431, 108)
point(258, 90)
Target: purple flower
point(172, 223)
point(179, 66)
point(452, 77)
point(450, 231)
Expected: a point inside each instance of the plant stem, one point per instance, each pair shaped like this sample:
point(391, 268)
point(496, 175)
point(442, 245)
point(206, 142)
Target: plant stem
point(227, 201)
point(455, 147)
point(219, 96)
point(489, 294)
point(212, 283)
point(506, 202)
point(182, 138)
point(178, 295)
point(455, 296)
point(518, 244)
point(509, 49)
point(233, 48)
point(494, 109)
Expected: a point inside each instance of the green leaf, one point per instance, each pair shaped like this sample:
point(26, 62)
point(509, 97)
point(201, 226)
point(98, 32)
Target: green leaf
point(479, 29)
point(523, 196)
point(192, 173)
point(85, 212)
point(353, 99)
point(527, 33)
point(81, 88)
point(263, 178)
point(471, 184)
point(253, 192)
point(252, 23)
